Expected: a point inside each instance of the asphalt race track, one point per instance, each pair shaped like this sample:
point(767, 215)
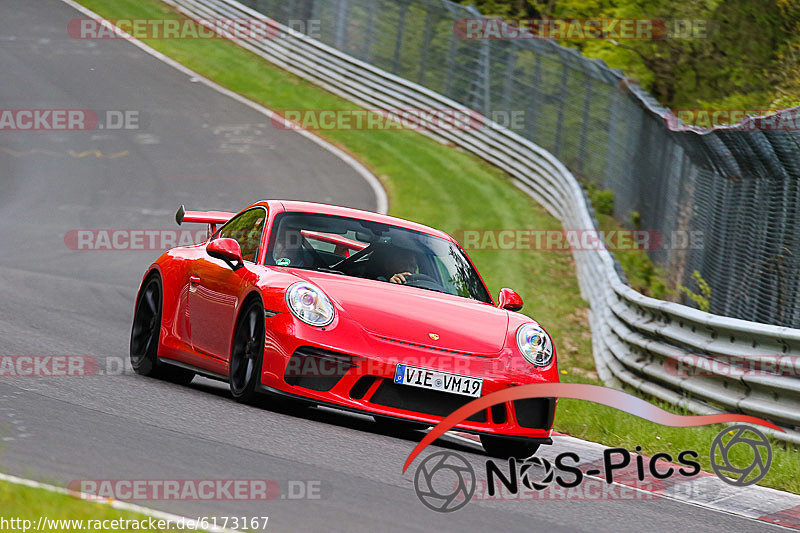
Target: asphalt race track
point(200, 148)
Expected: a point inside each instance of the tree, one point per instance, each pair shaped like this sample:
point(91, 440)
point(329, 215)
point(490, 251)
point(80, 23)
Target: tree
point(736, 53)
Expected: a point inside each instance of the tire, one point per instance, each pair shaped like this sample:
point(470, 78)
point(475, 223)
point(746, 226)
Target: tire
point(145, 335)
point(503, 448)
point(247, 353)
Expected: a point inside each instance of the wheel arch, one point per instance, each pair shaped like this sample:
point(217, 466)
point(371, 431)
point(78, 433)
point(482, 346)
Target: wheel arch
point(152, 271)
point(252, 295)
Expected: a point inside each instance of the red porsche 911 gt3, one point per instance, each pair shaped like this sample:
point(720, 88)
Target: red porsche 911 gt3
point(344, 308)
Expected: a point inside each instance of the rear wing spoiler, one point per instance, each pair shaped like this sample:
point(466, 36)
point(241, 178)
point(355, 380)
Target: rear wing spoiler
point(212, 218)
point(343, 244)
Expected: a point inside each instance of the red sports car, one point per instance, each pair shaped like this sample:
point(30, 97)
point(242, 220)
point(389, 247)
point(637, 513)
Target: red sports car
point(344, 308)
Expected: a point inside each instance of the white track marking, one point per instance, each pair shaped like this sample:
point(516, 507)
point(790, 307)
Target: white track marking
point(115, 504)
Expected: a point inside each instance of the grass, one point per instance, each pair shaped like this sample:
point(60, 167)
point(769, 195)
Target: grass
point(28, 503)
point(449, 189)
point(642, 273)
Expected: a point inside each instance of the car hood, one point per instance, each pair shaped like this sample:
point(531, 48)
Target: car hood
point(416, 316)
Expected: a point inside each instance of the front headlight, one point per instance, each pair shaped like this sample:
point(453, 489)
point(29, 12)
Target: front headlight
point(308, 303)
point(535, 344)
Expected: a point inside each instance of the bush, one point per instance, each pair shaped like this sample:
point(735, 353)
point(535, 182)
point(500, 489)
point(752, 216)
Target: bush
point(602, 199)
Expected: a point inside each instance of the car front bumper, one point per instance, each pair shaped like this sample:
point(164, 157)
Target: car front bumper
point(354, 370)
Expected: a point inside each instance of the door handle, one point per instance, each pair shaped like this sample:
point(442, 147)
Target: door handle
point(194, 280)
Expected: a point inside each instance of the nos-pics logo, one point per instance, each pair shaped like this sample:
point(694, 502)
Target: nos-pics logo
point(445, 481)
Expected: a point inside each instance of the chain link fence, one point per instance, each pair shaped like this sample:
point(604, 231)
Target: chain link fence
point(739, 188)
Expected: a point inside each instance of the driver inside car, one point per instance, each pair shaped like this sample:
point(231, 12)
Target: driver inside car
point(402, 266)
point(397, 264)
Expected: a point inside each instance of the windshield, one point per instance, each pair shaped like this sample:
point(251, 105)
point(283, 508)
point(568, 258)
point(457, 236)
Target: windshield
point(372, 250)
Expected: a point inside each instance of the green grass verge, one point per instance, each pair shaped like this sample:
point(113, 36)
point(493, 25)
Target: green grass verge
point(28, 503)
point(449, 189)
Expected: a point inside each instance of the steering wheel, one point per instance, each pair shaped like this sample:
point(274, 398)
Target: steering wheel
point(344, 264)
point(318, 260)
point(423, 281)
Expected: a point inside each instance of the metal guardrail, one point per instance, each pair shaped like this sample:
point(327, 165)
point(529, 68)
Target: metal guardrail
point(636, 339)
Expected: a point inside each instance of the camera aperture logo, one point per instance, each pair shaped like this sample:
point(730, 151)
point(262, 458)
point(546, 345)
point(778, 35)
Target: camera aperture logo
point(727, 468)
point(445, 481)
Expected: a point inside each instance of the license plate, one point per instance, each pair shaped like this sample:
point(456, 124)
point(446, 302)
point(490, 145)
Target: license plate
point(436, 380)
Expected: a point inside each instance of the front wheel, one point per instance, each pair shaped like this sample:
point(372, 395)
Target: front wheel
point(247, 353)
point(145, 335)
point(504, 448)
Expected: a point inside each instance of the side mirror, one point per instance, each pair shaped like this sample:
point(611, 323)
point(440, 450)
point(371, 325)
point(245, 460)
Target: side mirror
point(510, 300)
point(228, 250)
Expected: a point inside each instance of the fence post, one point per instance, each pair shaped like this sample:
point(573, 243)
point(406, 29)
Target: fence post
point(533, 99)
point(341, 20)
point(451, 58)
point(585, 118)
point(562, 104)
point(427, 36)
point(398, 44)
point(511, 60)
point(480, 90)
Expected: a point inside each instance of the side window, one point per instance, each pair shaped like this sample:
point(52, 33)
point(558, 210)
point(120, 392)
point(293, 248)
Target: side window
point(246, 230)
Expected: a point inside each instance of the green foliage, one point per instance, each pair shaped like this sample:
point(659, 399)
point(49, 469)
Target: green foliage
point(702, 300)
point(636, 220)
point(786, 79)
point(643, 275)
point(747, 51)
point(602, 199)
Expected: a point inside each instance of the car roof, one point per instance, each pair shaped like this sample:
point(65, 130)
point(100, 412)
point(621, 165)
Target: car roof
point(327, 209)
